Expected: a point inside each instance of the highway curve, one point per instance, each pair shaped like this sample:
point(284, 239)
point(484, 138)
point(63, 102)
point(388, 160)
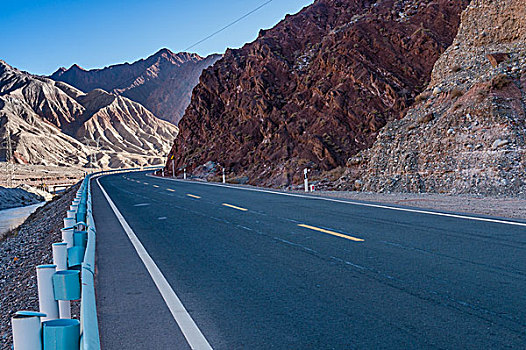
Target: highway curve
point(261, 270)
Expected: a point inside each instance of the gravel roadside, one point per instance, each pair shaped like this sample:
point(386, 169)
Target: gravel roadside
point(21, 252)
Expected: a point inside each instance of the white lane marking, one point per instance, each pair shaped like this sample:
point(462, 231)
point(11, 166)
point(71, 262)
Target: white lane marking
point(381, 206)
point(191, 332)
point(141, 205)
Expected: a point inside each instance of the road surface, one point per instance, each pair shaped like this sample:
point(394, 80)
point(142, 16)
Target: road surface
point(259, 270)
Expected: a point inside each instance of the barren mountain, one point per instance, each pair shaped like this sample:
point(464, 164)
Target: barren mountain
point(162, 83)
point(467, 133)
point(315, 89)
point(52, 123)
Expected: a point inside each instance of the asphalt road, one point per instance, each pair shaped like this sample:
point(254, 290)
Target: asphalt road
point(258, 270)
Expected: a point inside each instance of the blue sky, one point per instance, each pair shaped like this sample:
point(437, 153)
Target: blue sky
point(40, 36)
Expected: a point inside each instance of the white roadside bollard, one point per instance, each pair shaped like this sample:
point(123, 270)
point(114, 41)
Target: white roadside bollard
point(312, 189)
point(224, 178)
point(162, 172)
point(46, 296)
point(306, 179)
point(67, 231)
point(69, 222)
point(173, 168)
point(27, 330)
point(67, 236)
point(184, 174)
point(60, 255)
point(60, 259)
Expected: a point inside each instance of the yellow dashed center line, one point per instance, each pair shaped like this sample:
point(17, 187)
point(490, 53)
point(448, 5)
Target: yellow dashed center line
point(234, 207)
point(155, 186)
point(193, 196)
point(331, 233)
point(169, 189)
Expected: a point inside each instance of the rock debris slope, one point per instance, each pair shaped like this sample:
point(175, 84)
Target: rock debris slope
point(162, 83)
point(315, 89)
point(467, 133)
point(52, 123)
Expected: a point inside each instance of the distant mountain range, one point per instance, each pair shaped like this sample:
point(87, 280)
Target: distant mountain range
point(52, 123)
point(162, 83)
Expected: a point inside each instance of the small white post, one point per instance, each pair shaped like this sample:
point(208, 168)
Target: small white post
point(224, 178)
point(67, 237)
point(162, 173)
point(184, 174)
point(69, 222)
point(46, 297)
point(60, 255)
point(173, 168)
point(306, 180)
point(27, 331)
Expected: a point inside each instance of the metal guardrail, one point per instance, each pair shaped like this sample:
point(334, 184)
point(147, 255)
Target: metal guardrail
point(90, 339)
point(52, 327)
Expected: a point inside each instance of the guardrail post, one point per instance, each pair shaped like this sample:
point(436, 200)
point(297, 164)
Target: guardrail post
point(27, 330)
point(67, 236)
point(60, 258)
point(60, 255)
point(46, 298)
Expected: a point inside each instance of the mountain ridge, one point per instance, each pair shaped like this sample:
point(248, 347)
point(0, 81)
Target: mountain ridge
point(162, 82)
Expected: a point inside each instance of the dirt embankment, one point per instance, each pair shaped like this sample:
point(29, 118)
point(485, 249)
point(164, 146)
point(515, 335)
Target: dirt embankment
point(20, 252)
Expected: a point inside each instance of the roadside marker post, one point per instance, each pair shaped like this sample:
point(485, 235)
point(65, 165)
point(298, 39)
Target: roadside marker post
point(173, 168)
point(224, 179)
point(184, 174)
point(306, 179)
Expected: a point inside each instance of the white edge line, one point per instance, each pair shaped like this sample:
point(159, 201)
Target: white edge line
point(191, 332)
point(457, 216)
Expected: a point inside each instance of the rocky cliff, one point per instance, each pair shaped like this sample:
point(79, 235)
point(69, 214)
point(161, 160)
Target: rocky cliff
point(52, 123)
point(315, 89)
point(162, 83)
point(467, 132)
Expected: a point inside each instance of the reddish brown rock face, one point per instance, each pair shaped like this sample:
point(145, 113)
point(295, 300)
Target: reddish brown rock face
point(314, 90)
point(497, 58)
